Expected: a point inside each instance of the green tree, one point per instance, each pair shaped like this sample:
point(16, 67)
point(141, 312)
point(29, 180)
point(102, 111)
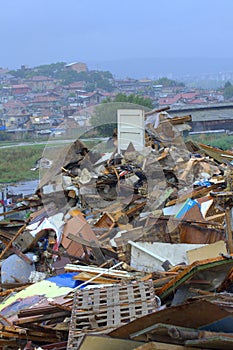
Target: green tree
point(94, 79)
point(227, 85)
point(132, 98)
point(104, 118)
point(168, 82)
point(228, 91)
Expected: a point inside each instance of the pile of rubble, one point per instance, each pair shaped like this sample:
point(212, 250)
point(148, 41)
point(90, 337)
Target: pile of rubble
point(129, 250)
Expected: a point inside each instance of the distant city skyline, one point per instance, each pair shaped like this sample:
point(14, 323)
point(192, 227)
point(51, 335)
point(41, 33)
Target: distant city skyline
point(130, 37)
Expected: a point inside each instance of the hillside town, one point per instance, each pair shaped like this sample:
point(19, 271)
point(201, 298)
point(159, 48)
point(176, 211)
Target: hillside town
point(126, 242)
point(36, 101)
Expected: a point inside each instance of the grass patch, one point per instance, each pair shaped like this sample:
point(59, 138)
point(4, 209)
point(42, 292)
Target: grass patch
point(224, 142)
point(16, 162)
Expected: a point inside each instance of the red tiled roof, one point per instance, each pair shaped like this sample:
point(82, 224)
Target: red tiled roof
point(168, 100)
point(20, 86)
point(76, 84)
point(189, 95)
point(13, 104)
point(39, 99)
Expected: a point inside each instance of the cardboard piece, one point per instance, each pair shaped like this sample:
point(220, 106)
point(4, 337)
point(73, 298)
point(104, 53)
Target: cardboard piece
point(206, 252)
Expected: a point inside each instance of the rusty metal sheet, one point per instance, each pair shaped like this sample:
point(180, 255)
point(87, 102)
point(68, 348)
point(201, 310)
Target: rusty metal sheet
point(192, 315)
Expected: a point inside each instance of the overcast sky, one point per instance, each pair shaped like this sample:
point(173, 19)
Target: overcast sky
point(35, 32)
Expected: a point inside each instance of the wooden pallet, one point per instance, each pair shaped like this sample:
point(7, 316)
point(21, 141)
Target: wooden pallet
point(101, 309)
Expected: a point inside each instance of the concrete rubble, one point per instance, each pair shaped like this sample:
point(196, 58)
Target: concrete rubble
point(123, 250)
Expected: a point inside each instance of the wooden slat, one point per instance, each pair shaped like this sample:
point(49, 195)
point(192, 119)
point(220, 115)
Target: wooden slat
point(102, 309)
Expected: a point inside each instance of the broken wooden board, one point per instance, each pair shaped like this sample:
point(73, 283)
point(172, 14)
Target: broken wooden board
point(98, 342)
point(165, 346)
point(79, 227)
point(209, 273)
point(193, 315)
point(206, 252)
point(103, 309)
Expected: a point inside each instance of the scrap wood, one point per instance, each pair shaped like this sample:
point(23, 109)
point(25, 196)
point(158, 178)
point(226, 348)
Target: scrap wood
point(191, 314)
point(32, 319)
point(132, 235)
point(190, 271)
point(105, 221)
point(97, 270)
point(32, 335)
point(4, 321)
point(91, 244)
point(85, 276)
point(11, 241)
point(21, 255)
point(215, 217)
point(188, 168)
point(217, 154)
point(159, 282)
point(5, 236)
point(66, 306)
point(17, 288)
point(103, 309)
point(190, 222)
point(98, 275)
point(165, 346)
point(40, 310)
point(134, 210)
point(58, 346)
point(195, 193)
point(13, 211)
point(229, 229)
point(23, 333)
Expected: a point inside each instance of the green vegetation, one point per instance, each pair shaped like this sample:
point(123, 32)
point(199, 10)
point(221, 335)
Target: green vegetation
point(104, 119)
point(16, 162)
point(224, 142)
point(93, 79)
point(168, 82)
point(135, 99)
point(132, 98)
point(228, 91)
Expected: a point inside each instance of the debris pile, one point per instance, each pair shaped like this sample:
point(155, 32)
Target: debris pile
point(129, 249)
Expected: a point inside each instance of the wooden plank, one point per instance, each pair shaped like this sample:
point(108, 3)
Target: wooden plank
point(109, 307)
point(50, 316)
point(98, 342)
point(97, 270)
point(11, 241)
point(92, 244)
point(194, 194)
point(229, 229)
point(85, 276)
point(37, 311)
point(164, 346)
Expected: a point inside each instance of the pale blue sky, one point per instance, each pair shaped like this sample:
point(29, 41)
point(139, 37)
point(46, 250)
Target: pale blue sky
point(35, 32)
